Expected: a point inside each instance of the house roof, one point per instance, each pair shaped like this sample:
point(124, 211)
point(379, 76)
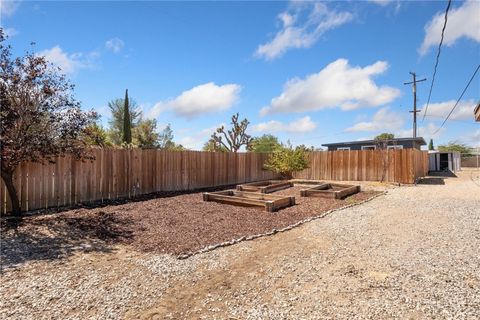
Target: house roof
point(419, 140)
point(441, 152)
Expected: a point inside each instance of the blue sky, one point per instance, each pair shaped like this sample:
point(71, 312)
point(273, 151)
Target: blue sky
point(311, 72)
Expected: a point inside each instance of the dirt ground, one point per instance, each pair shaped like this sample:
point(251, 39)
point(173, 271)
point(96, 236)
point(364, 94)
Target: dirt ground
point(411, 254)
point(174, 224)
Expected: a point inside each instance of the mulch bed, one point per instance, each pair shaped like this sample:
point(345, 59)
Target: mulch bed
point(173, 224)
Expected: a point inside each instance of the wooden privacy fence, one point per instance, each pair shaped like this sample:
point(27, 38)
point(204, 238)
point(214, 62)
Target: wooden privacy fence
point(118, 173)
point(403, 166)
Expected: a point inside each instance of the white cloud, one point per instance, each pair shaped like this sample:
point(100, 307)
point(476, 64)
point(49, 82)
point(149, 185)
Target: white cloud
point(475, 138)
point(384, 3)
point(301, 125)
point(204, 98)
point(196, 141)
point(383, 119)
point(10, 32)
point(463, 22)
point(381, 2)
point(302, 34)
point(103, 111)
point(337, 85)
point(463, 111)
point(115, 44)
point(426, 132)
point(8, 8)
point(68, 63)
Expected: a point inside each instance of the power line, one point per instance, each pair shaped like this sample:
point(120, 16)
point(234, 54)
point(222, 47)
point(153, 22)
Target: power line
point(457, 120)
point(438, 57)
point(456, 103)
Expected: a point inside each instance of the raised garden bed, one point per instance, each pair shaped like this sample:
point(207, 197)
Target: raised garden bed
point(173, 223)
point(300, 182)
point(270, 203)
point(330, 190)
point(265, 186)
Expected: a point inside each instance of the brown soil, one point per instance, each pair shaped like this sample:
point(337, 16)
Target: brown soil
point(174, 224)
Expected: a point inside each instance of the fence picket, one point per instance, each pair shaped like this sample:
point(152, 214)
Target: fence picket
point(121, 173)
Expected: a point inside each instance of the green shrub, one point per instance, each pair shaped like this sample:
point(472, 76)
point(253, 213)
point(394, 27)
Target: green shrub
point(286, 160)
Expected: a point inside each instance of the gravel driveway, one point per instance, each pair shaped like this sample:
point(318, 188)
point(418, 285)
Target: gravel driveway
point(411, 254)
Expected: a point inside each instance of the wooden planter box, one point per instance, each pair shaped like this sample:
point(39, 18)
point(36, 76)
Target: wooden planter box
point(270, 203)
point(265, 186)
point(307, 182)
point(330, 190)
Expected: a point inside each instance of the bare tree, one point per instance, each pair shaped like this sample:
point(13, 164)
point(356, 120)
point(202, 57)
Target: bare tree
point(382, 141)
point(234, 138)
point(39, 119)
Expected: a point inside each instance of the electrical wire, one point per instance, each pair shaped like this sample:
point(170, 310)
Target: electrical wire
point(438, 58)
point(457, 120)
point(456, 103)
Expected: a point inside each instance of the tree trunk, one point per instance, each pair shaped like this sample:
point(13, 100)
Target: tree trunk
point(286, 175)
point(8, 179)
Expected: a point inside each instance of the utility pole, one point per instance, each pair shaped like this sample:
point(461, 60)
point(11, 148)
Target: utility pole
point(414, 111)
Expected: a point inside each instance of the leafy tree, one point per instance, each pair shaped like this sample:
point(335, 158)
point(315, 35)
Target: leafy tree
point(266, 143)
point(39, 117)
point(382, 142)
point(116, 123)
point(430, 145)
point(286, 160)
point(177, 147)
point(213, 146)
point(455, 146)
point(385, 136)
point(307, 149)
point(95, 135)
point(145, 134)
point(383, 139)
point(166, 140)
point(234, 138)
point(127, 124)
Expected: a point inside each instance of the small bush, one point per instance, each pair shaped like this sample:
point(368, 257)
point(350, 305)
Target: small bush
point(286, 160)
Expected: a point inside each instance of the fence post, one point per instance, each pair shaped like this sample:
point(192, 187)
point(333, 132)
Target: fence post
point(26, 193)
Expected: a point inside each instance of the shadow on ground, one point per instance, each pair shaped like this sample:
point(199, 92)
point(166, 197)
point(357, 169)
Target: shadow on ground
point(437, 177)
point(46, 238)
point(444, 174)
point(125, 200)
point(432, 181)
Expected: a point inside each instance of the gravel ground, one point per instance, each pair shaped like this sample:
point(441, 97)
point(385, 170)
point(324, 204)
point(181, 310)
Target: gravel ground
point(412, 253)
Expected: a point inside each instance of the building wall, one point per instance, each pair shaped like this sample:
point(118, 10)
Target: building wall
point(453, 161)
point(358, 146)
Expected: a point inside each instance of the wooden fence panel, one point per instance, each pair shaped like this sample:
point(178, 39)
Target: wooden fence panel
point(126, 173)
point(403, 166)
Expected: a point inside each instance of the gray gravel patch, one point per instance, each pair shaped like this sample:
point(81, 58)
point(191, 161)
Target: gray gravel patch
point(412, 253)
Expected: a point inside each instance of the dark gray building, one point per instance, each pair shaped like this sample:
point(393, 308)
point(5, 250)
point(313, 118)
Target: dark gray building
point(396, 143)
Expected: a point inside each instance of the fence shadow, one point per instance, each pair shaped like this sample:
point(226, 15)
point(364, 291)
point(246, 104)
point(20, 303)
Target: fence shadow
point(124, 200)
point(432, 181)
point(437, 177)
point(443, 174)
point(48, 238)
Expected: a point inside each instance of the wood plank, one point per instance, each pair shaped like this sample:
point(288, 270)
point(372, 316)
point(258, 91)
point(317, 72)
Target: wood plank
point(117, 173)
